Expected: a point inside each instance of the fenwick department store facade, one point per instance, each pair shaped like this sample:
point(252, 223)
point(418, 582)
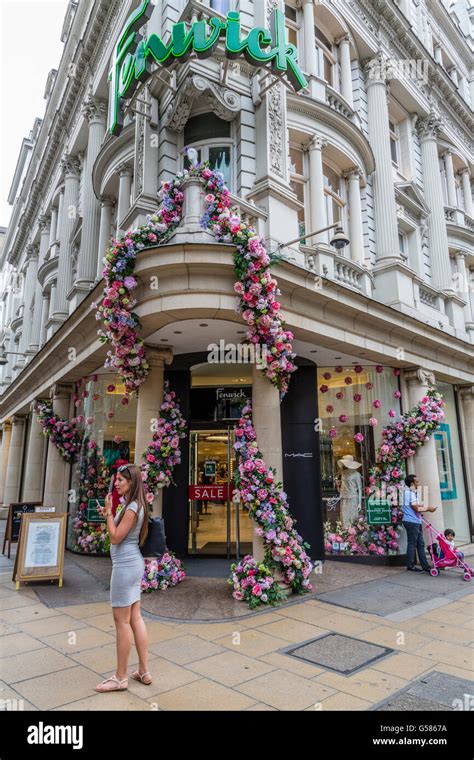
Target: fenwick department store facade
point(301, 106)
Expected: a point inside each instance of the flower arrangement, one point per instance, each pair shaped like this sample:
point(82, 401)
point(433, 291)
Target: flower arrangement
point(162, 573)
point(253, 583)
point(163, 453)
point(267, 504)
point(256, 288)
point(400, 441)
point(361, 539)
point(66, 435)
point(89, 537)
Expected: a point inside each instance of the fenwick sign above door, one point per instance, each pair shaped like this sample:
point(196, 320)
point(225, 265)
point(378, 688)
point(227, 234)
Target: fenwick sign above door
point(134, 54)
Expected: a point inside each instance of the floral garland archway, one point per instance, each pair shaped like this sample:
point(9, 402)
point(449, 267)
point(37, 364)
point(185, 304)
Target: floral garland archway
point(256, 289)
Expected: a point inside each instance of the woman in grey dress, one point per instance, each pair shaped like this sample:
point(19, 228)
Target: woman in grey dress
point(128, 531)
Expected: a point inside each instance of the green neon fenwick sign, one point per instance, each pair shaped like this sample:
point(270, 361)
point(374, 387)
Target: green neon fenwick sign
point(134, 54)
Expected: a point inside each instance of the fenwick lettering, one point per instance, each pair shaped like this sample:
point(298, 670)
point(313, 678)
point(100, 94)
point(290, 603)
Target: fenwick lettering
point(134, 55)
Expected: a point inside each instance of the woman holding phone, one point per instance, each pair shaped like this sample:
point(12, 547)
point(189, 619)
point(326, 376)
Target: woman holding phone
point(128, 531)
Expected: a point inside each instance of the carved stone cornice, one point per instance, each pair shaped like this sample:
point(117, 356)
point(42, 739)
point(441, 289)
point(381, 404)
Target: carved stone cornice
point(225, 103)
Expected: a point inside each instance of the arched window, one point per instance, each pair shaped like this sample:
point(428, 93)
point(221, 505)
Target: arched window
point(211, 137)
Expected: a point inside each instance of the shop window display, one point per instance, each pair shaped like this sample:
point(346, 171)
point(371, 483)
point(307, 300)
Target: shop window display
point(448, 450)
point(355, 403)
point(109, 440)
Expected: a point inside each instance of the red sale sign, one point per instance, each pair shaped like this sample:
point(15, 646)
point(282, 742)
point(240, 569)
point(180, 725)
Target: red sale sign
point(208, 493)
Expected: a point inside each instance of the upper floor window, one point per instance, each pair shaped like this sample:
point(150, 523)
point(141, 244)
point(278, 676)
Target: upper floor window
point(211, 137)
point(221, 6)
point(394, 143)
point(334, 194)
point(328, 65)
point(299, 182)
point(292, 24)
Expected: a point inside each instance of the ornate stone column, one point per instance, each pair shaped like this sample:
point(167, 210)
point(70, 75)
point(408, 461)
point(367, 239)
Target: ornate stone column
point(44, 223)
point(12, 481)
point(346, 73)
point(386, 225)
point(71, 167)
point(125, 189)
point(150, 398)
point(428, 130)
point(34, 460)
point(267, 423)
point(6, 440)
point(95, 111)
point(466, 191)
point(32, 253)
point(463, 287)
point(425, 462)
point(56, 482)
point(106, 207)
point(450, 183)
point(356, 230)
point(316, 188)
point(310, 50)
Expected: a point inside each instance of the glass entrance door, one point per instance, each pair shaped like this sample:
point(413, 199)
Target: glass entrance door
point(218, 527)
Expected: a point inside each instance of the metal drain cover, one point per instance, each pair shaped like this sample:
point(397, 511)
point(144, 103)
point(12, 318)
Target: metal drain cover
point(342, 654)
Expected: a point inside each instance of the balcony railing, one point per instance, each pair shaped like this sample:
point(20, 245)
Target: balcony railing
point(458, 217)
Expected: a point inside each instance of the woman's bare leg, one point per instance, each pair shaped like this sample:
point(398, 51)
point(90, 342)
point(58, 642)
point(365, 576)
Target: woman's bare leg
point(140, 635)
point(124, 639)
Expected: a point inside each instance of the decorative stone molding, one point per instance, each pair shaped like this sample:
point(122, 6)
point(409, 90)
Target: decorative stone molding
point(124, 169)
point(70, 166)
point(317, 142)
point(94, 109)
point(225, 103)
point(429, 127)
point(420, 377)
point(44, 223)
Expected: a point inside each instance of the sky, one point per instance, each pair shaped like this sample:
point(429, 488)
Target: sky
point(37, 25)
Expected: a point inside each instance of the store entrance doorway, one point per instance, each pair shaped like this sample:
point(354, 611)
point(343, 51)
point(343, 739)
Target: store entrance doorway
point(218, 525)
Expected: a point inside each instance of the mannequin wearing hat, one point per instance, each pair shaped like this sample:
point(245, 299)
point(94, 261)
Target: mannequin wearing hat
point(350, 489)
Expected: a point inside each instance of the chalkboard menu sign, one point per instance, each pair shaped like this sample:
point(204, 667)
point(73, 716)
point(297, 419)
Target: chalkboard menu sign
point(12, 529)
point(379, 512)
point(93, 514)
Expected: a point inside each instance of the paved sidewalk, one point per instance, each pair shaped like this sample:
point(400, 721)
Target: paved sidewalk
point(53, 652)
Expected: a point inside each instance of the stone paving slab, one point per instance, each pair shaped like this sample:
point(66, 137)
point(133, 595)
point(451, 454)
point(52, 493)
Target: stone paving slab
point(387, 596)
point(434, 692)
point(340, 653)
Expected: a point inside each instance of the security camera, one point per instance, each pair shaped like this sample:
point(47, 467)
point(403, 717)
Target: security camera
point(340, 240)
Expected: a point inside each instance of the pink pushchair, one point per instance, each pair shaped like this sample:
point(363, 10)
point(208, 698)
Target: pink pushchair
point(449, 558)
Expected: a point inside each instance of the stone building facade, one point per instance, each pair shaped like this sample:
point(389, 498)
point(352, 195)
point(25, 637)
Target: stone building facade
point(380, 142)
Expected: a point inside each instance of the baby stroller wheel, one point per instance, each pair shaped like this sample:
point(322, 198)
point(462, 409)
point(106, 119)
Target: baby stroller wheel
point(467, 576)
point(434, 572)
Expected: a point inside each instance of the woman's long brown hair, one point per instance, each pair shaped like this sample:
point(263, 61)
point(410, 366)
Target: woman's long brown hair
point(133, 474)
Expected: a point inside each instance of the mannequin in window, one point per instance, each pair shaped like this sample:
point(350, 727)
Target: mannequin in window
point(350, 489)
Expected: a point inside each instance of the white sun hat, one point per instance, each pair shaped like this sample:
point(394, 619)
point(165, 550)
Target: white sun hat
point(349, 461)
